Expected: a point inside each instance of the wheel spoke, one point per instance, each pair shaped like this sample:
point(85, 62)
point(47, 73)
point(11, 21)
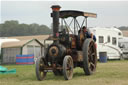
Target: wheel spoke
point(92, 61)
point(91, 44)
point(92, 64)
point(93, 54)
point(92, 57)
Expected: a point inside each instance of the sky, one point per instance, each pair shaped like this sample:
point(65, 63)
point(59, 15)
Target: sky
point(109, 13)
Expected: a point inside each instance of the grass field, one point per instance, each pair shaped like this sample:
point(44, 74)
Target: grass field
point(110, 73)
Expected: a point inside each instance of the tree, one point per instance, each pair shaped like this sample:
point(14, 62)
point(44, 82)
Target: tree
point(123, 28)
point(13, 28)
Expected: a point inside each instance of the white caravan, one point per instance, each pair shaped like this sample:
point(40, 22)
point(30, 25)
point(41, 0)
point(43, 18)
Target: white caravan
point(107, 41)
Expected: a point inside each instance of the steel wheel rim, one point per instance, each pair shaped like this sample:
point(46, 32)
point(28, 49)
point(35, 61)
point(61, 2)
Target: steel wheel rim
point(41, 70)
point(69, 68)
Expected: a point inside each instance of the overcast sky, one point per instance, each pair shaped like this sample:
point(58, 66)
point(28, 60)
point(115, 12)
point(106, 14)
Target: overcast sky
point(110, 13)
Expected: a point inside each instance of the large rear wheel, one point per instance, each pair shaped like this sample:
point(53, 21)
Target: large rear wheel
point(89, 56)
point(40, 73)
point(68, 67)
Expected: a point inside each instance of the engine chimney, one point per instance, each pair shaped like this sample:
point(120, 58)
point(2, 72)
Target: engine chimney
point(55, 16)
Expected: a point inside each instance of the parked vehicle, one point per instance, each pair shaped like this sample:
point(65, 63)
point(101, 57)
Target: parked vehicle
point(107, 41)
point(123, 44)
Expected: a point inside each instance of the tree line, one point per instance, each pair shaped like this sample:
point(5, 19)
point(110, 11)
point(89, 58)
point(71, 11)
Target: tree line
point(123, 28)
point(13, 28)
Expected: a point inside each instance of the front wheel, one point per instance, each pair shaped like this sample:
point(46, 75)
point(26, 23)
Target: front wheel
point(68, 67)
point(40, 73)
point(89, 56)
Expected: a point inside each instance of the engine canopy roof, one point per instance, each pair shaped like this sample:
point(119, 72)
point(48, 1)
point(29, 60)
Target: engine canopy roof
point(75, 13)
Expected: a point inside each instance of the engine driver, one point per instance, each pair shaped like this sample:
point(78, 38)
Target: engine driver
point(88, 34)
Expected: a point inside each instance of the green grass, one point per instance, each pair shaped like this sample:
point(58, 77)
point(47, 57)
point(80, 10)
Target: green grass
point(110, 73)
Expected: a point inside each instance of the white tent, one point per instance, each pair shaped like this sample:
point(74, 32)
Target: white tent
point(2, 40)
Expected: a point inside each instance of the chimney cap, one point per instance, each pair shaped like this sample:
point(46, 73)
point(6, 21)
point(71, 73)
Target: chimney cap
point(55, 7)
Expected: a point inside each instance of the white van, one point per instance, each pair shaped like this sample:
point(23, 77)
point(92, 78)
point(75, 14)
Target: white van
point(123, 44)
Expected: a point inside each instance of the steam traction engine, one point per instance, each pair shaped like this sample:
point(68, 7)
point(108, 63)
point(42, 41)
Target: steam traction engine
point(70, 48)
